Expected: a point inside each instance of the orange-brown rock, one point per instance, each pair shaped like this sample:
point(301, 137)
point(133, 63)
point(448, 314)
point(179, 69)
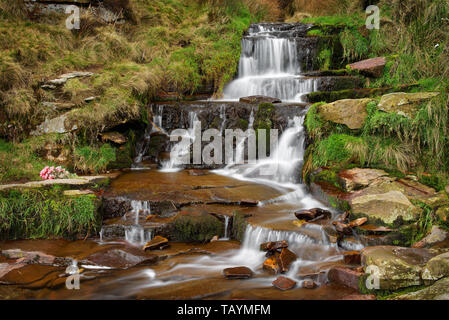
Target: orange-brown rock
point(158, 242)
point(283, 283)
point(351, 257)
point(345, 276)
point(313, 214)
point(358, 222)
point(309, 284)
point(286, 258)
point(271, 246)
point(237, 273)
point(272, 264)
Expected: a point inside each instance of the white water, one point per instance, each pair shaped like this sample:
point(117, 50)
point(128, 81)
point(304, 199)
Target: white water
point(269, 66)
point(136, 234)
point(180, 149)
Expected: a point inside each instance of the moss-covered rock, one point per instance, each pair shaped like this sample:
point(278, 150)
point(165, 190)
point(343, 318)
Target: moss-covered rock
point(238, 226)
point(200, 228)
point(350, 112)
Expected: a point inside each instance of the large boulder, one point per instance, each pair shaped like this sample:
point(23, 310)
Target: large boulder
point(397, 267)
point(437, 267)
point(350, 112)
point(438, 291)
point(371, 67)
point(55, 125)
point(389, 207)
point(406, 104)
point(357, 178)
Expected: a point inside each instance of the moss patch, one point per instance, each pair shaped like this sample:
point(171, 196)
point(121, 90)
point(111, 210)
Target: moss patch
point(196, 228)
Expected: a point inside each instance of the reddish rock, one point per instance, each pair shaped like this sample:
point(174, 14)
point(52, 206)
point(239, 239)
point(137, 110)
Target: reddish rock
point(259, 99)
point(351, 257)
point(284, 283)
point(158, 242)
point(371, 67)
point(358, 222)
point(309, 284)
point(359, 297)
point(286, 258)
point(30, 256)
point(313, 214)
point(345, 276)
point(271, 246)
point(237, 273)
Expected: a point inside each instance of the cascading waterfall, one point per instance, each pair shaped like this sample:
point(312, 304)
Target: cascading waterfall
point(181, 150)
point(269, 66)
point(136, 234)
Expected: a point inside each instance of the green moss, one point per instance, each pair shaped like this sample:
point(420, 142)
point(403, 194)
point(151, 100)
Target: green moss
point(196, 228)
point(238, 226)
point(91, 159)
point(333, 150)
point(43, 213)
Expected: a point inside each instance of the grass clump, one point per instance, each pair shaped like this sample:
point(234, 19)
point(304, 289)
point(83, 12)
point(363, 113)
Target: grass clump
point(94, 160)
point(38, 214)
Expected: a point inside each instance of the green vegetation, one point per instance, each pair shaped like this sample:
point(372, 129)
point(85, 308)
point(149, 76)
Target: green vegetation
point(94, 160)
point(36, 214)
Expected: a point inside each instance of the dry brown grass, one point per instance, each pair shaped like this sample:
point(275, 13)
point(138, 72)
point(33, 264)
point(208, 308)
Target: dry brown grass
point(324, 7)
point(269, 9)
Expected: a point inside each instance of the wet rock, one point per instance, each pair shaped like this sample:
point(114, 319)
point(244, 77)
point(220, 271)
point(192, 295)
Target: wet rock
point(357, 178)
point(249, 203)
point(114, 137)
point(286, 258)
point(115, 207)
point(196, 172)
point(283, 283)
point(29, 256)
point(238, 273)
point(272, 246)
point(272, 264)
point(350, 112)
point(388, 207)
point(438, 291)
point(406, 104)
point(342, 228)
point(398, 267)
point(313, 214)
point(436, 236)
point(6, 268)
point(259, 99)
point(437, 267)
point(164, 208)
point(352, 257)
point(359, 297)
point(345, 276)
point(117, 258)
point(358, 222)
point(158, 242)
point(371, 67)
point(309, 284)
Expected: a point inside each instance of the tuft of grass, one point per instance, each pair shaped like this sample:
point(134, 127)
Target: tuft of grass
point(94, 160)
point(43, 214)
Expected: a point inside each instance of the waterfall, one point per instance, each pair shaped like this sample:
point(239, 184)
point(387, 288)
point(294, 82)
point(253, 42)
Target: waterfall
point(181, 150)
point(136, 234)
point(226, 227)
point(270, 66)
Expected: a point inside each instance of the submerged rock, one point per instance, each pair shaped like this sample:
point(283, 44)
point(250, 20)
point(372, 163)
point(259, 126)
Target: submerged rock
point(238, 273)
point(406, 104)
point(158, 242)
point(284, 283)
point(350, 112)
point(371, 67)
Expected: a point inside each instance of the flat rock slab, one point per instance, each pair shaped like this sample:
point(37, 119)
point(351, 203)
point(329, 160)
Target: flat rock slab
point(357, 178)
point(259, 99)
point(438, 291)
point(118, 258)
point(345, 276)
point(371, 67)
point(398, 267)
point(238, 273)
point(81, 181)
point(158, 242)
point(350, 112)
point(406, 104)
point(271, 246)
point(284, 283)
